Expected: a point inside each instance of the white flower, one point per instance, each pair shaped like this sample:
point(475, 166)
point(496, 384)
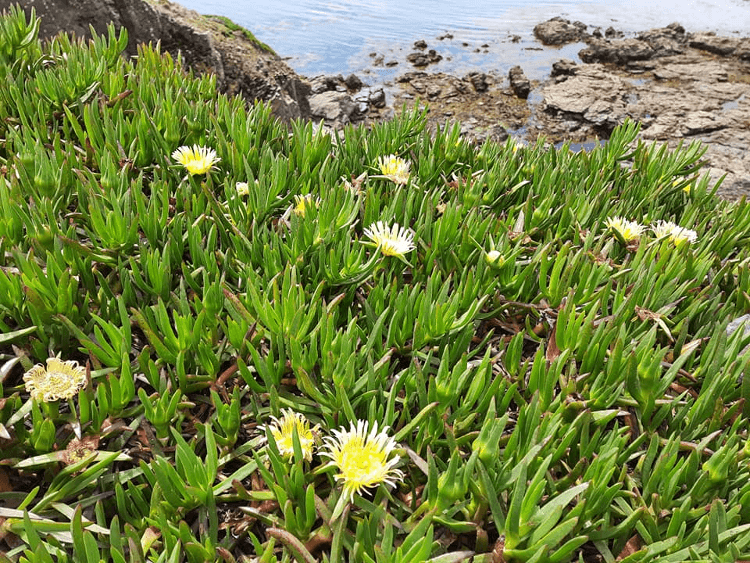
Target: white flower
point(392, 241)
point(60, 380)
point(195, 159)
point(395, 168)
point(628, 230)
point(677, 235)
point(283, 433)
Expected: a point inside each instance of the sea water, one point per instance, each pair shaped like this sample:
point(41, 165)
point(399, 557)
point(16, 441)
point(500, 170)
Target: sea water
point(325, 36)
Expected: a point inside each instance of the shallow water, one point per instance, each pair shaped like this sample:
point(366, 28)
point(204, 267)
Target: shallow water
point(323, 36)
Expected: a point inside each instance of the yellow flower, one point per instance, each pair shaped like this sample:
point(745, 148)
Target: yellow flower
point(392, 241)
point(628, 230)
point(677, 235)
point(195, 159)
point(60, 380)
point(361, 456)
point(395, 168)
point(283, 431)
point(494, 258)
point(242, 189)
point(303, 202)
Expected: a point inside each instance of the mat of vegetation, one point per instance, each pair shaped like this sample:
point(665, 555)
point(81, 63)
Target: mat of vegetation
point(224, 340)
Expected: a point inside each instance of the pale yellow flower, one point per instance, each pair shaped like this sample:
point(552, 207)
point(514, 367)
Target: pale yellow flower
point(628, 230)
point(60, 380)
point(361, 455)
point(304, 202)
point(395, 168)
point(283, 431)
point(195, 159)
point(392, 241)
point(677, 235)
point(243, 189)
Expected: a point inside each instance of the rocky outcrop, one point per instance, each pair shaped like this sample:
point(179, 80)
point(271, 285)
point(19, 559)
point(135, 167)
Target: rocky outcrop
point(558, 31)
point(242, 64)
point(519, 83)
point(679, 86)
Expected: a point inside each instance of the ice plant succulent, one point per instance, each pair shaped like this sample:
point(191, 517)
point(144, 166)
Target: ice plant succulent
point(195, 159)
point(392, 241)
point(283, 430)
point(59, 380)
point(361, 455)
point(677, 235)
point(629, 230)
point(395, 168)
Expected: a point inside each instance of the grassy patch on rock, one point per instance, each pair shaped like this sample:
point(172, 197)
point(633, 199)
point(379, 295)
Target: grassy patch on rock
point(232, 27)
point(224, 340)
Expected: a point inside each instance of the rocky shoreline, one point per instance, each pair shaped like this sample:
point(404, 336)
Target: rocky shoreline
point(680, 86)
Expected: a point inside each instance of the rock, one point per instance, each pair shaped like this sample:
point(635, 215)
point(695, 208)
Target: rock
point(334, 107)
point(420, 44)
point(519, 83)
point(690, 69)
point(423, 59)
point(377, 98)
point(611, 33)
point(618, 52)
point(496, 133)
point(592, 95)
point(743, 50)
point(478, 81)
point(563, 67)
point(708, 41)
point(433, 91)
point(326, 83)
point(353, 82)
point(558, 31)
point(665, 41)
point(242, 64)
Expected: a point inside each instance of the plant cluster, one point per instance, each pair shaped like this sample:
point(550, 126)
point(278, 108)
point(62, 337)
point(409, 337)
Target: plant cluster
point(228, 340)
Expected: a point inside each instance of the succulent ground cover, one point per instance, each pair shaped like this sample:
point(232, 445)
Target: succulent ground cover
point(228, 340)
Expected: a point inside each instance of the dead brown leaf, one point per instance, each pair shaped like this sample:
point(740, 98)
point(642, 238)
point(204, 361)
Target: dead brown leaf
point(633, 545)
point(552, 350)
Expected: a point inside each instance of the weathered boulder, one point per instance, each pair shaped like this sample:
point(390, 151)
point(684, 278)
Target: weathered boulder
point(563, 67)
point(423, 59)
point(335, 107)
point(558, 31)
point(479, 80)
point(519, 83)
point(621, 51)
point(241, 63)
